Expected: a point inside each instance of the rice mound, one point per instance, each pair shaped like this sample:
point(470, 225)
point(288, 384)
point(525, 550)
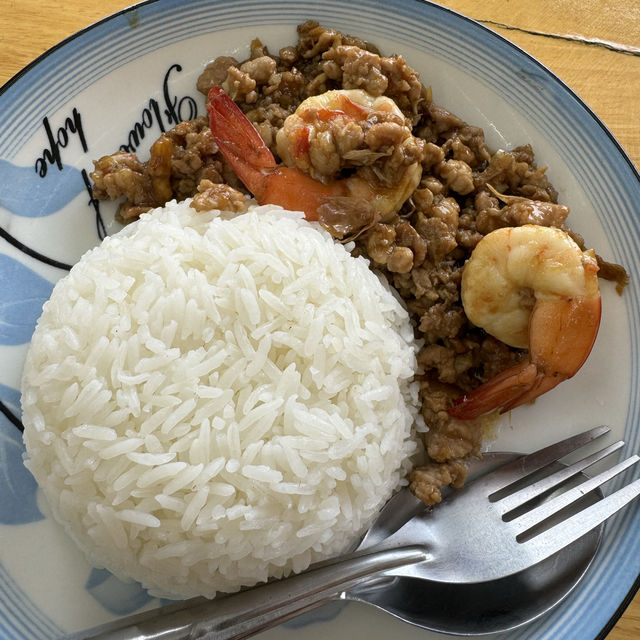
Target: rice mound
point(210, 401)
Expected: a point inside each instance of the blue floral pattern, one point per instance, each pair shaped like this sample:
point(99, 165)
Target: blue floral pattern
point(325, 613)
point(22, 294)
point(26, 194)
point(117, 597)
point(18, 504)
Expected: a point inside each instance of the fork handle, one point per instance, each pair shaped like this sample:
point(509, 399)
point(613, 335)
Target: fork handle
point(243, 614)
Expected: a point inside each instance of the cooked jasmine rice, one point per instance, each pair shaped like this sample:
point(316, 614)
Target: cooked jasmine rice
point(210, 401)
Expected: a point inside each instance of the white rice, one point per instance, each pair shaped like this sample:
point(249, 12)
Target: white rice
point(212, 401)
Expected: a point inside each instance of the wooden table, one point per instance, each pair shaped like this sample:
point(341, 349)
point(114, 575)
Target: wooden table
point(593, 45)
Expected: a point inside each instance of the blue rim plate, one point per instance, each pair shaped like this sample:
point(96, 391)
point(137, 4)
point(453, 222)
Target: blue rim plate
point(124, 79)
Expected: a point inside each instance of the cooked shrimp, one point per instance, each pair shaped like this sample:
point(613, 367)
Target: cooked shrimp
point(371, 130)
point(531, 287)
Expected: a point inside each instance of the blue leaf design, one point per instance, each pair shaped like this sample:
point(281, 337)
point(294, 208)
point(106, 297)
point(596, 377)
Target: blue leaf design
point(325, 613)
point(18, 503)
point(22, 294)
point(116, 596)
point(25, 193)
point(11, 397)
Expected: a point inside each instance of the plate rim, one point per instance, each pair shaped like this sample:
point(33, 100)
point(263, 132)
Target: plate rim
point(490, 32)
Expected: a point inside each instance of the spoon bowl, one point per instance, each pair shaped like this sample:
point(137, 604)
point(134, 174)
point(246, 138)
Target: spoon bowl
point(475, 609)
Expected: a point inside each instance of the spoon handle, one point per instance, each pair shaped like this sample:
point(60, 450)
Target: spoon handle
point(243, 614)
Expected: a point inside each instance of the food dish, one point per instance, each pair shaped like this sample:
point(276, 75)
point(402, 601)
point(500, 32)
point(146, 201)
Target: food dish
point(568, 139)
point(351, 136)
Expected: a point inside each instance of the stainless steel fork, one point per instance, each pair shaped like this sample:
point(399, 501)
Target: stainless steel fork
point(500, 524)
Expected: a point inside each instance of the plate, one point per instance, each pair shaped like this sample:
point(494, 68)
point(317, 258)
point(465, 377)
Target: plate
point(119, 83)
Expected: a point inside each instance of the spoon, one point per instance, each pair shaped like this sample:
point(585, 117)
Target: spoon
point(472, 609)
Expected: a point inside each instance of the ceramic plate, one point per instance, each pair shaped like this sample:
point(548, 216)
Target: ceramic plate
point(124, 79)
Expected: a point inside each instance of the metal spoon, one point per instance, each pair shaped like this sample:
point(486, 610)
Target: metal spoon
point(473, 609)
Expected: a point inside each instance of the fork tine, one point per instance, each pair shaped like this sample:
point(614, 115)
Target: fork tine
point(564, 533)
point(524, 495)
point(536, 516)
point(528, 464)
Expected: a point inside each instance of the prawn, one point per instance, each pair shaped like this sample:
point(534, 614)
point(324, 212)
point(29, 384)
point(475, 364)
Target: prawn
point(531, 287)
point(302, 186)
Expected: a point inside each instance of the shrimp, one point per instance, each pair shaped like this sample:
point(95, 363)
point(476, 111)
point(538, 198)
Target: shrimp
point(531, 287)
point(310, 177)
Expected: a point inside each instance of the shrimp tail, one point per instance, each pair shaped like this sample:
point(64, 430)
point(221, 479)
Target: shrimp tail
point(501, 391)
point(250, 158)
point(562, 336)
point(239, 142)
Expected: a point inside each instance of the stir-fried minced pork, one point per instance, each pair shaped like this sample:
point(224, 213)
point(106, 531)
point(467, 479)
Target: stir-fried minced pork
point(466, 191)
point(179, 160)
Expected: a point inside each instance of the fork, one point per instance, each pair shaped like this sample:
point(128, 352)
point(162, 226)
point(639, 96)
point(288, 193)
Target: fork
point(500, 524)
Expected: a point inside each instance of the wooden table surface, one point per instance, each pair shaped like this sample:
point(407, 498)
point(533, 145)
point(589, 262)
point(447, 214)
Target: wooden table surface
point(593, 45)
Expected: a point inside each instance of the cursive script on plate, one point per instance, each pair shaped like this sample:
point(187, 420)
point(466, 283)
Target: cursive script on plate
point(53, 155)
point(174, 110)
